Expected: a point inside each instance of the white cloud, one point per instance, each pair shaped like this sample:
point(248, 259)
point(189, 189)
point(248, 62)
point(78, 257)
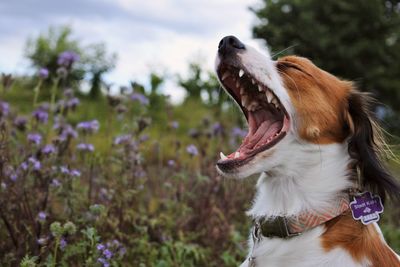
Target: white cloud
point(160, 35)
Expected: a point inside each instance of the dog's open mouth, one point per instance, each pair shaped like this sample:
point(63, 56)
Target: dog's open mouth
point(267, 118)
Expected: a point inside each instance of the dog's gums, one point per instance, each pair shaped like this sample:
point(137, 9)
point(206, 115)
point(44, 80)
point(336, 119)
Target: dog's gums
point(268, 121)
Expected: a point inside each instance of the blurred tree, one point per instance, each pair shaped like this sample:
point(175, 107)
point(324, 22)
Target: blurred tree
point(46, 49)
point(198, 82)
point(50, 51)
point(153, 93)
point(98, 62)
point(156, 98)
point(357, 40)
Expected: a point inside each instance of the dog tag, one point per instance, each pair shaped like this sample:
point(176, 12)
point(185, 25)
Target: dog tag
point(366, 207)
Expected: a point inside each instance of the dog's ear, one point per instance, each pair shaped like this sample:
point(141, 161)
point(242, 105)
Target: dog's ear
point(367, 146)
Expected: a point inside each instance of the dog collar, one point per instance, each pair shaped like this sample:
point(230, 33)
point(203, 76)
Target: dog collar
point(287, 227)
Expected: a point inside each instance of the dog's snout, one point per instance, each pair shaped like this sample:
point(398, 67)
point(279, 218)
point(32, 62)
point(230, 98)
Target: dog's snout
point(230, 44)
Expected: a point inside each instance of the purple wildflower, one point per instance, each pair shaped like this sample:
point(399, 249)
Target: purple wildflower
point(171, 163)
point(144, 138)
point(4, 108)
point(20, 123)
point(63, 243)
point(85, 147)
point(67, 58)
point(174, 125)
point(64, 170)
point(122, 251)
point(55, 183)
point(48, 149)
point(100, 247)
point(35, 163)
point(139, 173)
point(107, 253)
point(104, 262)
point(192, 150)
point(13, 177)
point(24, 166)
point(67, 132)
point(69, 93)
point(34, 138)
point(43, 73)
point(41, 115)
point(41, 216)
point(217, 128)
point(88, 126)
point(73, 103)
point(75, 173)
point(122, 139)
point(142, 99)
point(238, 132)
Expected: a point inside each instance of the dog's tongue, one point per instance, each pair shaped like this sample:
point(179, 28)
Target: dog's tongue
point(263, 125)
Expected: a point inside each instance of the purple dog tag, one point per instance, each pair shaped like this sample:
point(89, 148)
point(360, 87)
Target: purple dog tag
point(366, 207)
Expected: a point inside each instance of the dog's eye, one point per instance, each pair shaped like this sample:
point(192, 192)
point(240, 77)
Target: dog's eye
point(282, 65)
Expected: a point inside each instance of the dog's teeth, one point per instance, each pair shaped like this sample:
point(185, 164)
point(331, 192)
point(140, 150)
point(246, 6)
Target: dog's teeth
point(253, 106)
point(223, 157)
point(226, 75)
point(253, 81)
point(260, 88)
point(241, 73)
point(242, 91)
point(237, 154)
point(269, 96)
point(245, 100)
point(274, 101)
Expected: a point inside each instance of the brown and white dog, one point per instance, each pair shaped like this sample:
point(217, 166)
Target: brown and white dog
point(310, 134)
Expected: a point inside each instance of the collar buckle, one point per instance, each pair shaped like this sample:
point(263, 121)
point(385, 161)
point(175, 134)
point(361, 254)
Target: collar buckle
point(286, 228)
point(277, 227)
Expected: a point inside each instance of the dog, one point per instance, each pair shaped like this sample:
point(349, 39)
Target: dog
point(313, 139)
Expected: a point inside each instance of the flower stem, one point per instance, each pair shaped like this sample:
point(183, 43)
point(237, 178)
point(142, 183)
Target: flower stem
point(53, 95)
point(36, 91)
point(55, 251)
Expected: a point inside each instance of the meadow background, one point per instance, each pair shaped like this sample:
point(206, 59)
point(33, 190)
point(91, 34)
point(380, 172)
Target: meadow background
point(94, 174)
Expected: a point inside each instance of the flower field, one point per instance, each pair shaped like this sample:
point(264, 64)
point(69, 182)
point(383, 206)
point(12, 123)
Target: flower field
point(123, 180)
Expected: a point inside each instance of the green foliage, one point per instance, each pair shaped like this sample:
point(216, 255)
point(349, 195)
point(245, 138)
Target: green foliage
point(94, 61)
point(43, 52)
point(140, 194)
point(392, 236)
point(357, 40)
point(199, 82)
point(98, 62)
point(28, 261)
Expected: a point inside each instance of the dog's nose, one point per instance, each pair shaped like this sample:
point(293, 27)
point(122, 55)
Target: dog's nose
point(230, 44)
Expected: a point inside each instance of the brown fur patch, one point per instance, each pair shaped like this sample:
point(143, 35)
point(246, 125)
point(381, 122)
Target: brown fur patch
point(320, 100)
point(360, 241)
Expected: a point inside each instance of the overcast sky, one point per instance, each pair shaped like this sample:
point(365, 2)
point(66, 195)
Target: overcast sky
point(147, 35)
